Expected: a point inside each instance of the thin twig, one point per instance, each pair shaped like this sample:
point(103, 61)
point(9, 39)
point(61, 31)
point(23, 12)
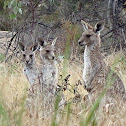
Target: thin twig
point(10, 43)
point(124, 36)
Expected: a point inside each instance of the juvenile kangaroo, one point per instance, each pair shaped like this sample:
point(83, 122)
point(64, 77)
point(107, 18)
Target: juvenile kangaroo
point(28, 57)
point(49, 69)
point(49, 72)
point(95, 72)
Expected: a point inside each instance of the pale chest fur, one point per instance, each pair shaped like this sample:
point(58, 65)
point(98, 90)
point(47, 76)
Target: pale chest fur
point(49, 80)
point(49, 74)
point(31, 74)
point(87, 65)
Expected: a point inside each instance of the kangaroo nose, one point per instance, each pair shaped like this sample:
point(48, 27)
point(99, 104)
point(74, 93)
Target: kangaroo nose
point(27, 61)
point(53, 57)
point(79, 42)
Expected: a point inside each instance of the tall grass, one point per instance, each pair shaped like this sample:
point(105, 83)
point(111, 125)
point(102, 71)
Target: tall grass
point(109, 82)
point(13, 94)
point(11, 114)
point(73, 34)
point(4, 120)
point(2, 57)
point(11, 117)
point(56, 106)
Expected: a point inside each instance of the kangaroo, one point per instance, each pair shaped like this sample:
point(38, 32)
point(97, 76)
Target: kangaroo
point(95, 72)
point(49, 69)
point(49, 79)
point(30, 67)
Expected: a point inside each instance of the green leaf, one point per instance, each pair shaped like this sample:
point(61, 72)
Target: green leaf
point(13, 16)
point(15, 10)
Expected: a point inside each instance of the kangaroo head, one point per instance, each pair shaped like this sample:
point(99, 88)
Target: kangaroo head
point(28, 53)
point(91, 35)
point(47, 50)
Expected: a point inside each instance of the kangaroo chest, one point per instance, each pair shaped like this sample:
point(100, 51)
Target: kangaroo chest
point(31, 75)
point(87, 65)
point(49, 73)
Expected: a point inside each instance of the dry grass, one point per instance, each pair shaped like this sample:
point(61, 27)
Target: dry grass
point(13, 89)
point(121, 66)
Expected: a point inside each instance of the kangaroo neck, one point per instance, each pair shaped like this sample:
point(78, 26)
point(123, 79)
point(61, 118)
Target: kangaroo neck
point(87, 55)
point(92, 55)
point(92, 64)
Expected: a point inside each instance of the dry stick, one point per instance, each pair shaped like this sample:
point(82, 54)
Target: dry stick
point(66, 102)
point(113, 30)
point(124, 36)
point(109, 46)
point(15, 35)
point(10, 43)
point(33, 9)
point(66, 84)
point(107, 33)
point(13, 51)
point(38, 3)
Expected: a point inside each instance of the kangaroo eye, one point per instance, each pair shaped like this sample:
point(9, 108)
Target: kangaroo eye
point(88, 35)
point(24, 55)
point(47, 51)
point(31, 56)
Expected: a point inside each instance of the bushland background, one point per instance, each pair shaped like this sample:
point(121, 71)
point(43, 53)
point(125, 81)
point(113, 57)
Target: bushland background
point(57, 18)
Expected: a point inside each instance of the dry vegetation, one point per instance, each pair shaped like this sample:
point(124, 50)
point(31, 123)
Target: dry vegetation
point(13, 93)
point(60, 19)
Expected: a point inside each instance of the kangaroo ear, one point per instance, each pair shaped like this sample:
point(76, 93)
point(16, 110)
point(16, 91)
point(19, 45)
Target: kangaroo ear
point(34, 47)
point(21, 45)
point(85, 25)
point(54, 42)
point(99, 27)
point(42, 42)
